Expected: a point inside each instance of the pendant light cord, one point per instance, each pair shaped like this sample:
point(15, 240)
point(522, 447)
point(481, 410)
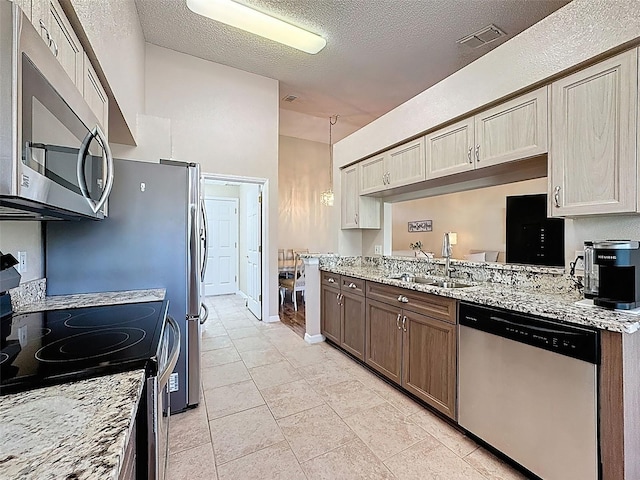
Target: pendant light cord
point(332, 121)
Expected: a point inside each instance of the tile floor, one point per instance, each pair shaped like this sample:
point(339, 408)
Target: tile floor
point(274, 407)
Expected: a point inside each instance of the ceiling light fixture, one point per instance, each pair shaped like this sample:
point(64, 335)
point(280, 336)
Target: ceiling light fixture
point(326, 197)
point(258, 23)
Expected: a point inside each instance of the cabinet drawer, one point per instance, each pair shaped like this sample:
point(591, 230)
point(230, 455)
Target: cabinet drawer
point(419, 302)
point(353, 285)
point(330, 279)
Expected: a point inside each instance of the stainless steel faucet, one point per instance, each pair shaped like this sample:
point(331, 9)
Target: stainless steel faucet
point(446, 253)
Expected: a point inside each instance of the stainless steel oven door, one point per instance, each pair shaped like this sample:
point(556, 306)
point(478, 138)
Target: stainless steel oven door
point(158, 407)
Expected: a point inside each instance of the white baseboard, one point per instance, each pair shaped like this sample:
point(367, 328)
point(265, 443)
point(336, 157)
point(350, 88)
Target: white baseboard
point(273, 319)
point(313, 338)
point(242, 294)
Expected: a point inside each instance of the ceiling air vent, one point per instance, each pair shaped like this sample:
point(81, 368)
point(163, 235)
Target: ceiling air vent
point(289, 98)
point(483, 36)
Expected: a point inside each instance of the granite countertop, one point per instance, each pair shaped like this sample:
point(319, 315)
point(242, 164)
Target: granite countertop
point(559, 306)
point(58, 302)
point(72, 431)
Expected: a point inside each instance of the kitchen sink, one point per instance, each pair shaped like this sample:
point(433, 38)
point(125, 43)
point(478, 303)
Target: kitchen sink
point(405, 277)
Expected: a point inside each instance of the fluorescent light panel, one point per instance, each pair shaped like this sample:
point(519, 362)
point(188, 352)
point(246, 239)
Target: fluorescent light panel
point(258, 23)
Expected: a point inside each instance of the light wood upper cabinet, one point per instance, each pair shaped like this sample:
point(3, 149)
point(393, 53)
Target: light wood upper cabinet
point(356, 211)
point(592, 161)
point(510, 131)
point(450, 150)
point(402, 165)
point(95, 95)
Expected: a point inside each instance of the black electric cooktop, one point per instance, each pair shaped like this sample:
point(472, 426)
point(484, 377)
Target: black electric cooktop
point(57, 346)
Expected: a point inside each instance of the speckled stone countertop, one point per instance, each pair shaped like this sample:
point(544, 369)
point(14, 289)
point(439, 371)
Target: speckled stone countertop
point(58, 302)
point(558, 306)
point(74, 431)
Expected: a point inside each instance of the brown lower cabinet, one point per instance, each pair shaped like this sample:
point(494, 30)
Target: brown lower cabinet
point(415, 350)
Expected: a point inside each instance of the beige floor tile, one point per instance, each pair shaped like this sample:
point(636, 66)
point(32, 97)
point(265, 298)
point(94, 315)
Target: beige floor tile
point(364, 376)
point(491, 466)
point(455, 440)
point(325, 374)
point(237, 323)
point(273, 463)
point(351, 461)
point(242, 433)
point(213, 330)
point(257, 358)
point(290, 398)
point(233, 398)
point(213, 377)
point(219, 357)
point(193, 464)
point(304, 356)
point(385, 430)
point(430, 460)
point(244, 332)
point(252, 343)
point(315, 431)
point(213, 343)
point(349, 397)
point(402, 402)
point(274, 374)
point(189, 429)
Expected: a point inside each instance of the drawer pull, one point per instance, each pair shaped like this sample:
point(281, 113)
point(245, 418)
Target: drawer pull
point(403, 299)
point(352, 285)
point(331, 280)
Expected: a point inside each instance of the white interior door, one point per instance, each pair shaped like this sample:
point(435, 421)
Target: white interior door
point(254, 253)
point(221, 277)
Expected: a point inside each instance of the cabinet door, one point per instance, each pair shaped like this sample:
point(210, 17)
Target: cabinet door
point(429, 361)
point(406, 164)
point(349, 196)
point(66, 46)
point(512, 130)
point(95, 95)
point(373, 175)
point(330, 314)
point(450, 150)
point(25, 5)
point(592, 160)
point(353, 324)
point(383, 339)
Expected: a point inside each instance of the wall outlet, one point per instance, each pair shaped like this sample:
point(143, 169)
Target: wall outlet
point(173, 382)
point(377, 249)
point(580, 261)
point(22, 262)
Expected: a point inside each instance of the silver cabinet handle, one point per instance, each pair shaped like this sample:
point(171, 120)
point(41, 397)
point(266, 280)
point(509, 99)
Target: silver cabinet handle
point(338, 298)
point(399, 298)
point(108, 159)
point(163, 378)
point(352, 285)
point(398, 321)
point(556, 197)
point(203, 318)
point(384, 178)
point(55, 48)
point(331, 280)
point(404, 323)
point(46, 31)
point(478, 153)
point(469, 154)
point(203, 236)
point(356, 218)
point(404, 299)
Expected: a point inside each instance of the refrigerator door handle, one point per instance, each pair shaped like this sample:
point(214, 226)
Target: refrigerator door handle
point(203, 236)
point(203, 318)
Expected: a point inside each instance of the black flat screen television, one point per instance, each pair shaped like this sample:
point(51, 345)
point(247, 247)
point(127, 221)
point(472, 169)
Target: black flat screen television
point(532, 238)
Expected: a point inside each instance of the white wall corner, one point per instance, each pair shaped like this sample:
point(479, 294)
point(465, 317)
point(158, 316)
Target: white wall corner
point(272, 319)
point(313, 338)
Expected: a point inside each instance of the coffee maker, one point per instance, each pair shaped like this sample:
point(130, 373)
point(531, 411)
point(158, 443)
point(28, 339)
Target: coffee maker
point(612, 273)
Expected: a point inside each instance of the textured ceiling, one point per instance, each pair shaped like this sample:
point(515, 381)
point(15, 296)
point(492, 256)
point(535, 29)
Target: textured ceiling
point(379, 53)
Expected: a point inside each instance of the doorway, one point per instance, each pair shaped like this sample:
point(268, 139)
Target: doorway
point(235, 262)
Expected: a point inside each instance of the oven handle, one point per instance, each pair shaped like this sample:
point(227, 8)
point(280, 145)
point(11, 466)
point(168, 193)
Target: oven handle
point(106, 155)
point(163, 378)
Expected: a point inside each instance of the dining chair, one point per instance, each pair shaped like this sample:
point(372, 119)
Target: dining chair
point(294, 284)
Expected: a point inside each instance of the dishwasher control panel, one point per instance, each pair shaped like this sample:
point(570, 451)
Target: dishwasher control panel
point(568, 340)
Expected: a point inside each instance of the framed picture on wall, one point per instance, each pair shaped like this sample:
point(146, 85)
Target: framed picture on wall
point(421, 226)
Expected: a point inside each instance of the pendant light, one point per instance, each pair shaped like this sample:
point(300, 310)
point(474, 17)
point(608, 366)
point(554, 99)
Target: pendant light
point(326, 197)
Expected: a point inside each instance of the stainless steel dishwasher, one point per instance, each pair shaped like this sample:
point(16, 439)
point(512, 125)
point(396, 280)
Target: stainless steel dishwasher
point(528, 387)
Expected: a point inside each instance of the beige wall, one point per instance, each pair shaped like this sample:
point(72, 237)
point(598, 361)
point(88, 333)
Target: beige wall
point(303, 173)
point(226, 120)
point(574, 34)
point(24, 236)
point(477, 216)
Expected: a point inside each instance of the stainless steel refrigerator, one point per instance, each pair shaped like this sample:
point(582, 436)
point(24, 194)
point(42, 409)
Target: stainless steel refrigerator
point(154, 237)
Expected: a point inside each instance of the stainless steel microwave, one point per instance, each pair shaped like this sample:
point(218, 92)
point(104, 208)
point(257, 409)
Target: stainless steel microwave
point(55, 161)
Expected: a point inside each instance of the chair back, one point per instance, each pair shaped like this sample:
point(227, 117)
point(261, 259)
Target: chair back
point(299, 273)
